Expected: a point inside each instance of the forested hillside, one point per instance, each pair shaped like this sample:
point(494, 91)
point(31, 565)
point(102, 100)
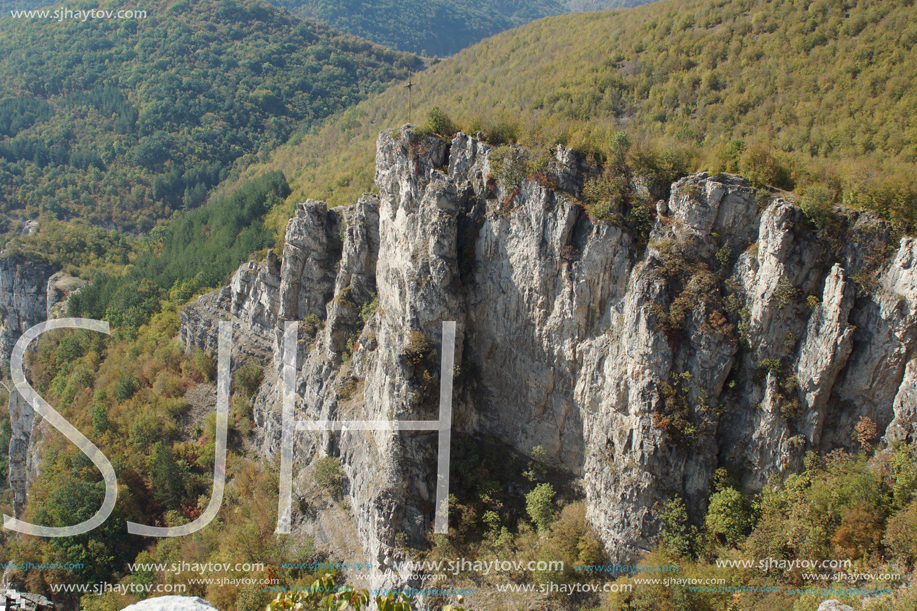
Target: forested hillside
point(437, 27)
point(124, 121)
point(815, 95)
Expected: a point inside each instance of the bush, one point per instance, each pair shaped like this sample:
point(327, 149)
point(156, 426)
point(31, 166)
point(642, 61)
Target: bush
point(640, 222)
point(661, 164)
point(762, 169)
point(328, 474)
point(539, 503)
point(310, 325)
point(866, 432)
point(252, 598)
point(785, 293)
point(899, 534)
point(905, 473)
point(606, 196)
point(816, 204)
point(571, 540)
point(439, 122)
point(860, 532)
point(501, 132)
point(242, 408)
point(200, 367)
point(248, 378)
point(507, 166)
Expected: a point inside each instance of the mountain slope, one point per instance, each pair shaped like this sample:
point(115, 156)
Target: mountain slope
point(124, 121)
point(822, 87)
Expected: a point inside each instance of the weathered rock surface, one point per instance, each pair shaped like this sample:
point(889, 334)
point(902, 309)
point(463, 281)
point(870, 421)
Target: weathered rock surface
point(738, 336)
point(23, 299)
point(24, 451)
point(24, 288)
point(171, 603)
point(60, 287)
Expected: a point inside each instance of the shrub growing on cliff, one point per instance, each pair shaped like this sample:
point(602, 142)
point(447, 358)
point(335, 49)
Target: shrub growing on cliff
point(866, 432)
point(761, 168)
point(507, 166)
point(661, 164)
point(606, 196)
point(328, 474)
point(816, 204)
point(438, 122)
point(421, 355)
point(674, 417)
point(248, 378)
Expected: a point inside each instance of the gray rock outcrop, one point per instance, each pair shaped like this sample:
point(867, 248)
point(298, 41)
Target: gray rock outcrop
point(23, 299)
point(171, 603)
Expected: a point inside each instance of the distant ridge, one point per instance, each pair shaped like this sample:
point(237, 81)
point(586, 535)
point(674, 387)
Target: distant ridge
point(437, 27)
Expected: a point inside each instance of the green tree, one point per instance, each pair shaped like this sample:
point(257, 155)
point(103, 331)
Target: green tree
point(99, 418)
point(539, 503)
point(677, 533)
point(166, 478)
point(729, 515)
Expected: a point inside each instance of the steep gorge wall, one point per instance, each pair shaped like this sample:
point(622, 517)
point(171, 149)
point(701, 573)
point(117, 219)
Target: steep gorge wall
point(24, 289)
point(23, 299)
point(30, 293)
point(740, 336)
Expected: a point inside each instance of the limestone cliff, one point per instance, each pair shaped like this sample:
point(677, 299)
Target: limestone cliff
point(24, 288)
point(23, 299)
point(29, 294)
point(737, 335)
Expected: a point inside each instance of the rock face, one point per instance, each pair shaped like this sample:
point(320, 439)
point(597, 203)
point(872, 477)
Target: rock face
point(24, 452)
point(171, 603)
point(735, 334)
point(60, 287)
point(23, 299)
point(29, 294)
point(834, 605)
point(24, 288)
